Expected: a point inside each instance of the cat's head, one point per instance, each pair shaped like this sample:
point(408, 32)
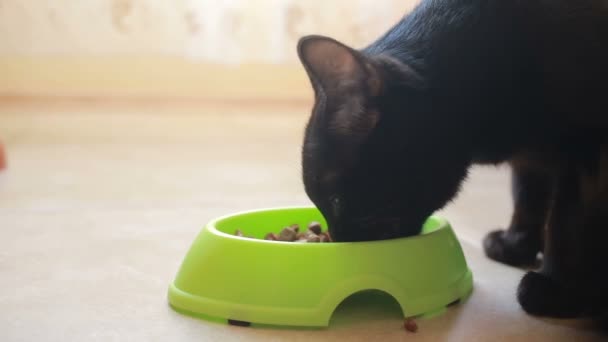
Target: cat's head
point(371, 161)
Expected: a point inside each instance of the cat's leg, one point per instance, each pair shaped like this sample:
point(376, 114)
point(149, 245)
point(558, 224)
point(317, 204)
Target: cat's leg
point(559, 288)
point(520, 243)
point(591, 277)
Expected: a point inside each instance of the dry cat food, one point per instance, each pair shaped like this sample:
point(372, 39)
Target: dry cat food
point(292, 233)
point(410, 325)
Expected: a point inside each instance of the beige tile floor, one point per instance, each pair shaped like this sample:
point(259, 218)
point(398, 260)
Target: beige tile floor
point(101, 201)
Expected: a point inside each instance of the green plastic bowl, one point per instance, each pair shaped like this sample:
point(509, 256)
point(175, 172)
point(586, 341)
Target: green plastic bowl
point(301, 284)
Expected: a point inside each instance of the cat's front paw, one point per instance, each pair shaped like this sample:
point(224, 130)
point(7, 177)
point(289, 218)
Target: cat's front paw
point(511, 249)
point(540, 295)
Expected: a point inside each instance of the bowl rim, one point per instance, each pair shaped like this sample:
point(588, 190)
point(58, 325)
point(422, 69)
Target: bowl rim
point(211, 227)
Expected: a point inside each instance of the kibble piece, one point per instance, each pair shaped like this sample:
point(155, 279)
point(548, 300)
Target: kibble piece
point(238, 232)
point(315, 227)
point(287, 234)
point(271, 237)
point(300, 236)
point(326, 236)
point(295, 227)
point(323, 238)
point(313, 238)
point(410, 325)
point(309, 233)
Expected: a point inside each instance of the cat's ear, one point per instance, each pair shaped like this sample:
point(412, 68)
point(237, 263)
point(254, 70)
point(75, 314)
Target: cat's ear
point(346, 79)
point(329, 62)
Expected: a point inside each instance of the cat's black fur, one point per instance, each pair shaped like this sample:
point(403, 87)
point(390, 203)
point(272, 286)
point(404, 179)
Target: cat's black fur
point(397, 125)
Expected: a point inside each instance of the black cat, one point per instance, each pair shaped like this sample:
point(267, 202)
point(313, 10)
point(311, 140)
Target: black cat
point(396, 126)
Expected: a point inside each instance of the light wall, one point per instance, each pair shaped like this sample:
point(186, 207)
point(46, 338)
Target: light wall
point(188, 48)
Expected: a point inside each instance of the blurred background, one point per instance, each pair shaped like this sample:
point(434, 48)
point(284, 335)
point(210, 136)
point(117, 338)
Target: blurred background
point(155, 103)
point(203, 49)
